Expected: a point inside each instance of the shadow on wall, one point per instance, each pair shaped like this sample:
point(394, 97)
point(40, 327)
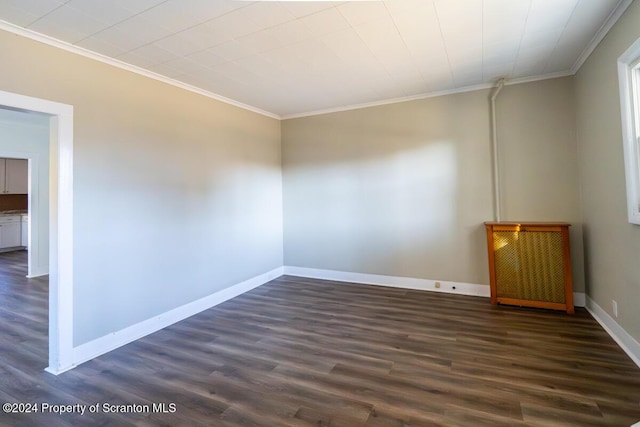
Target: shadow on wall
point(393, 214)
point(398, 190)
point(183, 209)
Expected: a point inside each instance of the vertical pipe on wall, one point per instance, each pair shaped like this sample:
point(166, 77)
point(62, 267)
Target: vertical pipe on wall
point(494, 150)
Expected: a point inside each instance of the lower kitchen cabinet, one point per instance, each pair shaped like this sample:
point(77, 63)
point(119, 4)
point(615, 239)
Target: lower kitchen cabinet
point(10, 232)
point(24, 232)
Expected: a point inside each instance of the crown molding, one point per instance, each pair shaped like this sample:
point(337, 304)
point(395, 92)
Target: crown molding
point(427, 95)
point(42, 38)
point(602, 32)
point(521, 80)
point(386, 101)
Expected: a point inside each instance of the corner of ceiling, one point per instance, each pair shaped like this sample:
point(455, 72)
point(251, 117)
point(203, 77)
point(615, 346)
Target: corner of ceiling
point(51, 41)
point(599, 36)
point(613, 17)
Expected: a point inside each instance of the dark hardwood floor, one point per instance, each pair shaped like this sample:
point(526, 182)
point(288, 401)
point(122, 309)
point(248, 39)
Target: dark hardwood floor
point(303, 352)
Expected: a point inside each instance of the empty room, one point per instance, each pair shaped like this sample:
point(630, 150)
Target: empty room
point(320, 213)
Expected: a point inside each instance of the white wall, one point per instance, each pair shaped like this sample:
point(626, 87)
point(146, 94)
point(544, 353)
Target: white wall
point(612, 244)
point(397, 190)
point(404, 189)
point(176, 196)
point(25, 135)
point(538, 159)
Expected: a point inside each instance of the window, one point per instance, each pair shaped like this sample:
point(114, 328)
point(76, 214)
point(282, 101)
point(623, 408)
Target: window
point(629, 80)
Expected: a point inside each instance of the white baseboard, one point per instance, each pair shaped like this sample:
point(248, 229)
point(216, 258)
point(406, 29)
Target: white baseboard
point(105, 344)
point(405, 282)
point(37, 274)
point(620, 336)
point(392, 281)
point(579, 299)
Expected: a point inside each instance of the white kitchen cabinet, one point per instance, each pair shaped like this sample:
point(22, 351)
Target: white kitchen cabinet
point(24, 231)
point(10, 233)
point(14, 176)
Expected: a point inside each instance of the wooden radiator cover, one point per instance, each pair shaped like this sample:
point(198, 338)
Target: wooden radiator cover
point(530, 264)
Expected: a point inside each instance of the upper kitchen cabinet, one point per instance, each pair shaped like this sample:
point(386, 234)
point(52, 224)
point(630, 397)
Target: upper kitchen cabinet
point(14, 176)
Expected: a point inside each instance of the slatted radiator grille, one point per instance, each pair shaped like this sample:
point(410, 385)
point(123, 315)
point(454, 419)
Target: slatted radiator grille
point(528, 265)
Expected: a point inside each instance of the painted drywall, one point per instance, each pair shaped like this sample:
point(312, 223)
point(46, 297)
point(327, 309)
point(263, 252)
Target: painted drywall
point(176, 196)
point(25, 135)
point(612, 244)
point(404, 189)
point(538, 159)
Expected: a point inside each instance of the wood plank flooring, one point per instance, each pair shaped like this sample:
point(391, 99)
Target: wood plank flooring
point(303, 352)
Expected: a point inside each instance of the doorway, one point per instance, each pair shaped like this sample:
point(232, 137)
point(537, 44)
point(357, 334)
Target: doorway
point(60, 210)
point(24, 187)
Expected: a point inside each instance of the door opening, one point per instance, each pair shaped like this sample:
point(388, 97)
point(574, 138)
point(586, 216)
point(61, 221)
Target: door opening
point(60, 221)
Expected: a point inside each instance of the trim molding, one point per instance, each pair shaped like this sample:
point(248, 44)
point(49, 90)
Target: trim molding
point(602, 32)
point(105, 344)
point(427, 95)
point(392, 281)
point(60, 222)
point(448, 287)
point(579, 299)
point(547, 76)
point(51, 41)
point(43, 38)
point(626, 342)
point(114, 340)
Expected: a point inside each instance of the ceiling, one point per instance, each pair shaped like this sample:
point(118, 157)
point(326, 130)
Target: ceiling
point(290, 58)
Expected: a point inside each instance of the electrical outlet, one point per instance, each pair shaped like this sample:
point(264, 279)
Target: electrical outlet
point(614, 305)
point(437, 284)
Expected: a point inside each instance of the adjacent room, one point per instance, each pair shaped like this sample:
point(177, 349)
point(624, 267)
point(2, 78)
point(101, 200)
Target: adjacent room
point(351, 213)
